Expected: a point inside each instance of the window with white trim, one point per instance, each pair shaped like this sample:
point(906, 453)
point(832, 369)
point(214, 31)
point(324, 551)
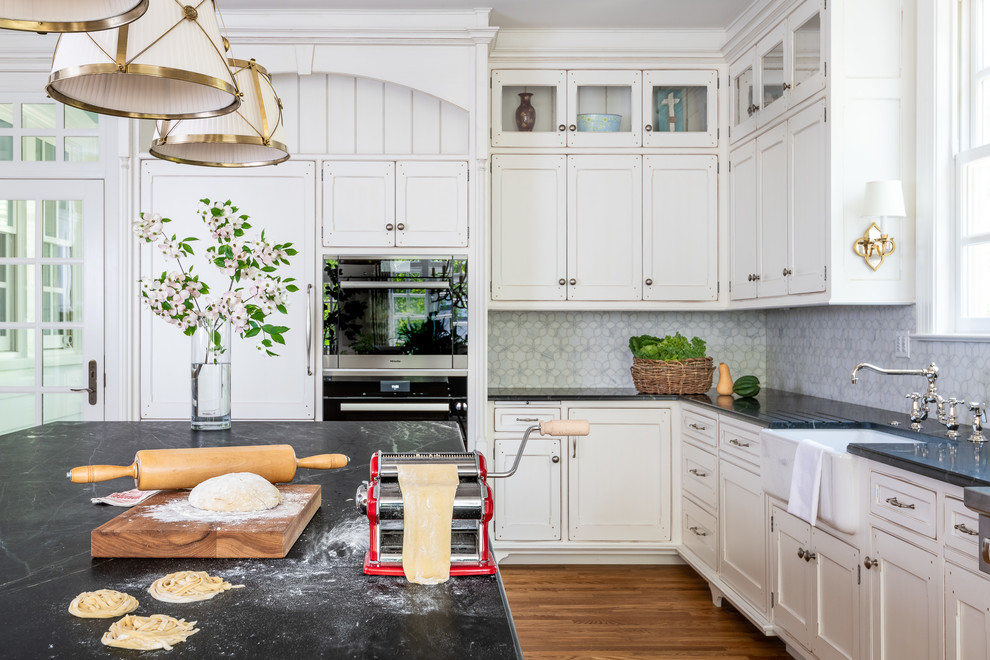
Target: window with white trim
point(972, 167)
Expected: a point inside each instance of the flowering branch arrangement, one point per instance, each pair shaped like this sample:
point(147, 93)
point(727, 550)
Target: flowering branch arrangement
point(253, 292)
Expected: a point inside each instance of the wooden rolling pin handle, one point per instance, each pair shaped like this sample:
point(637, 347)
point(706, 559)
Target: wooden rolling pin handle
point(323, 461)
point(565, 427)
point(88, 474)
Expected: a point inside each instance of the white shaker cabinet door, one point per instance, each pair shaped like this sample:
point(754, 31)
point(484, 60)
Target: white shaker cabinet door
point(358, 204)
point(806, 137)
point(527, 504)
point(967, 614)
point(279, 200)
point(771, 156)
point(431, 207)
point(680, 228)
point(793, 579)
point(905, 600)
point(743, 223)
point(604, 227)
point(835, 629)
point(529, 224)
point(618, 476)
point(743, 532)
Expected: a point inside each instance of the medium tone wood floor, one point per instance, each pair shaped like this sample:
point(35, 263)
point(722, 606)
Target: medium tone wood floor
point(627, 613)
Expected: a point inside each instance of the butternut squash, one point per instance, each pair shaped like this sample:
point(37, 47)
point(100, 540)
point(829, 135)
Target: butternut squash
point(724, 386)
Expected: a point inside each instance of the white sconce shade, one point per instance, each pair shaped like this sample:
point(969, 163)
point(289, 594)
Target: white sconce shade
point(250, 136)
point(884, 199)
point(168, 64)
point(69, 15)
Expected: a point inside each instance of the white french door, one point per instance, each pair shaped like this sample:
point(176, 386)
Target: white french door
point(51, 302)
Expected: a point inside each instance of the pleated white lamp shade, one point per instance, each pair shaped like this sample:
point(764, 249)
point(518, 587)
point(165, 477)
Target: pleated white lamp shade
point(69, 15)
point(168, 64)
point(250, 136)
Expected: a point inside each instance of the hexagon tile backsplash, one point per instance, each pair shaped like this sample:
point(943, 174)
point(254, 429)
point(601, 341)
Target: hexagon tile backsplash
point(591, 349)
point(808, 350)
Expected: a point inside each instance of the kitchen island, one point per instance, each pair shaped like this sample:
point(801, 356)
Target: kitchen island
point(315, 602)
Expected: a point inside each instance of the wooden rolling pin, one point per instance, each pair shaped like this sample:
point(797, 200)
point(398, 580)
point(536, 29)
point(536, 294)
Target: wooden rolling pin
point(162, 469)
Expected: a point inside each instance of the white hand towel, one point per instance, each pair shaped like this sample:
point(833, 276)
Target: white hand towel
point(806, 481)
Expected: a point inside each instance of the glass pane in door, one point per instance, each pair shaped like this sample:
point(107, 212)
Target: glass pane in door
point(17, 229)
point(772, 69)
point(807, 49)
point(604, 108)
point(62, 407)
point(679, 109)
point(62, 358)
point(16, 293)
point(529, 108)
point(17, 353)
point(16, 411)
point(743, 92)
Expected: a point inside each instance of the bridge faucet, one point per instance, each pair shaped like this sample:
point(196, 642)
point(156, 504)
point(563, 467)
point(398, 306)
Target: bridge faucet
point(919, 404)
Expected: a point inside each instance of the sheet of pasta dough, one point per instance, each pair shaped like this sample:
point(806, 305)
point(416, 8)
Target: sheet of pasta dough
point(428, 503)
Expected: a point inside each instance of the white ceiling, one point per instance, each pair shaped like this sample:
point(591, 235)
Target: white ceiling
point(605, 14)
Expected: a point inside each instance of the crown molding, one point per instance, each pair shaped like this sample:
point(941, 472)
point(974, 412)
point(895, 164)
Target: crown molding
point(26, 51)
point(584, 44)
point(752, 24)
point(360, 27)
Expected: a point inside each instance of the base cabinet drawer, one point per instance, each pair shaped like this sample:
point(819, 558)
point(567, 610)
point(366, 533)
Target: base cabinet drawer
point(520, 419)
point(698, 475)
point(962, 531)
point(699, 532)
point(906, 504)
point(700, 428)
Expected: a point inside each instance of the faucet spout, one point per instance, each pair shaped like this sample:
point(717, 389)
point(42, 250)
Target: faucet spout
point(930, 372)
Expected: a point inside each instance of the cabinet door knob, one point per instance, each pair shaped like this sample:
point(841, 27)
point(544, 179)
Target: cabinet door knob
point(648, 128)
point(400, 226)
point(649, 282)
point(562, 281)
point(809, 555)
point(573, 281)
point(572, 127)
point(389, 227)
point(800, 553)
point(786, 272)
point(870, 563)
point(562, 127)
point(785, 86)
point(555, 459)
point(756, 277)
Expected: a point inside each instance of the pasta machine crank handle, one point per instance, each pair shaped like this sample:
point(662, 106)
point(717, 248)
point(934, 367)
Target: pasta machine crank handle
point(559, 427)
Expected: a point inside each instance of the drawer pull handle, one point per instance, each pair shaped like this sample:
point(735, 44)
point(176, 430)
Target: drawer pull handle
point(698, 427)
point(735, 442)
point(695, 531)
point(965, 530)
point(527, 419)
point(698, 473)
point(900, 505)
point(870, 563)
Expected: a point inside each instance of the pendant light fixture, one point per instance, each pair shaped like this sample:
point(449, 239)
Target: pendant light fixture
point(69, 15)
point(168, 64)
point(250, 136)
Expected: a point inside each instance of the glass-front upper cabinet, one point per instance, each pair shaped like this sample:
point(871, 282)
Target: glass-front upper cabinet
point(529, 108)
point(604, 108)
point(806, 41)
point(744, 105)
point(772, 79)
point(680, 109)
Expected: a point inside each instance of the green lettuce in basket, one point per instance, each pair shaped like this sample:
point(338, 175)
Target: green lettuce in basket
point(675, 347)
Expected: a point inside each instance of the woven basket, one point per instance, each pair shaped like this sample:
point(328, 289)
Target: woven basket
point(691, 376)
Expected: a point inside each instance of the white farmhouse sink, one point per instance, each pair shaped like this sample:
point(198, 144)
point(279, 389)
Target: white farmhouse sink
point(841, 502)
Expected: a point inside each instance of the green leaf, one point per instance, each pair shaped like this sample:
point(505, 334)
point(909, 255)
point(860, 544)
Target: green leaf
point(282, 309)
point(253, 332)
point(277, 338)
point(292, 288)
point(270, 354)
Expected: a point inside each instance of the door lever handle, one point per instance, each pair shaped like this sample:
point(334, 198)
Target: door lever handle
point(91, 377)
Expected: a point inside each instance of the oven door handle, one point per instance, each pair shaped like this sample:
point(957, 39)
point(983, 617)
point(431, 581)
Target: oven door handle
point(395, 407)
point(393, 284)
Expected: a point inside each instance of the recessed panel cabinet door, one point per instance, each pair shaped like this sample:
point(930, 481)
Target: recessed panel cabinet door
point(680, 228)
point(358, 204)
point(604, 227)
point(836, 627)
point(793, 580)
point(743, 531)
point(279, 200)
point(431, 207)
point(529, 223)
point(612, 485)
point(808, 200)
point(905, 600)
point(967, 614)
point(771, 156)
point(527, 504)
point(743, 222)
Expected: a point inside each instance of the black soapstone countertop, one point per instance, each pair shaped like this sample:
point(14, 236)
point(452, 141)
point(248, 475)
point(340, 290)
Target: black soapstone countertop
point(316, 602)
point(957, 461)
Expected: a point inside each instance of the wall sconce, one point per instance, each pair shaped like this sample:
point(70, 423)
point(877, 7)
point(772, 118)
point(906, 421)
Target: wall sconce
point(884, 199)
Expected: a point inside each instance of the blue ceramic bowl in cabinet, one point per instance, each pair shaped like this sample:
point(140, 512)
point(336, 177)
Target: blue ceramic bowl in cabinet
point(598, 123)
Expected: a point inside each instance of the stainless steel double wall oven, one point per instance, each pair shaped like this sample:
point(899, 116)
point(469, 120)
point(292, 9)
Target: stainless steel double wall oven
point(395, 338)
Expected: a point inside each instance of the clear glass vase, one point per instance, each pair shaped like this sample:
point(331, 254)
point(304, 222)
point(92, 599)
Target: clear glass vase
point(211, 376)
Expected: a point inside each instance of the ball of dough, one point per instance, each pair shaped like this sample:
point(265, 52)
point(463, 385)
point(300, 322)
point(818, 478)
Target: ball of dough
point(237, 491)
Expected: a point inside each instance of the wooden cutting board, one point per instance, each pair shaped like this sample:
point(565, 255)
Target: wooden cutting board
point(166, 525)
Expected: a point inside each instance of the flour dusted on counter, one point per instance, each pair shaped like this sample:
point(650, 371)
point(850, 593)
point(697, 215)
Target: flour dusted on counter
point(125, 498)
